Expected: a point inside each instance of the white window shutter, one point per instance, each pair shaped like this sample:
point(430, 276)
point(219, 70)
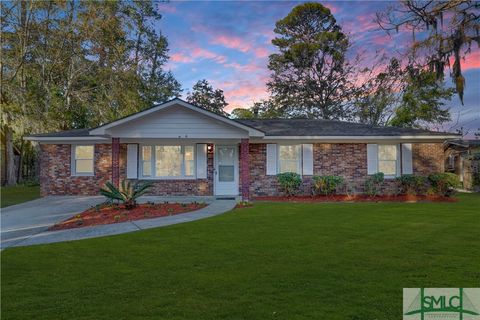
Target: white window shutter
point(407, 162)
point(132, 161)
point(271, 159)
point(399, 165)
point(201, 161)
point(372, 158)
point(307, 159)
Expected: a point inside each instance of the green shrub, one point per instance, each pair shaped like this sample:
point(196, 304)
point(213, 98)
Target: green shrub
point(127, 193)
point(444, 183)
point(412, 184)
point(289, 182)
point(326, 185)
point(373, 184)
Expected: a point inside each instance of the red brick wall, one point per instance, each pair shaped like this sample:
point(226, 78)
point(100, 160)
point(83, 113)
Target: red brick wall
point(348, 160)
point(428, 158)
point(343, 159)
point(55, 175)
point(56, 178)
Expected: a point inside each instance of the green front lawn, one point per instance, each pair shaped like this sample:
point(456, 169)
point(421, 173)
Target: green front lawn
point(272, 261)
point(18, 194)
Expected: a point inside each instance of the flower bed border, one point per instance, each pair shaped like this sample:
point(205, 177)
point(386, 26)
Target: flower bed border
point(357, 198)
point(103, 215)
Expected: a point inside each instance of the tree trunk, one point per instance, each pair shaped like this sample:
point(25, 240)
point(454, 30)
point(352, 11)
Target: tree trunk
point(20, 163)
point(10, 158)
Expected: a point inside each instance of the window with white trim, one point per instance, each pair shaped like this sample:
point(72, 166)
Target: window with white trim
point(146, 161)
point(167, 161)
point(290, 158)
point(387, 159)
point(82, 164)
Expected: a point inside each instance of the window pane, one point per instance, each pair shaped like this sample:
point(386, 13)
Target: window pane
point(168, 161)
point(147, 169)
point(289, 158)
point(226, 155)
point(146, 153)
point(387, 152)
point(388, 167)
point(288, 166)
point(84, 152)
point(226, 173)
point(84, 166)
point(189, 161)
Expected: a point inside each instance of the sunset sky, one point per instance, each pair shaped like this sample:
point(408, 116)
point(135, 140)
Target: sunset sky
point(228, 44)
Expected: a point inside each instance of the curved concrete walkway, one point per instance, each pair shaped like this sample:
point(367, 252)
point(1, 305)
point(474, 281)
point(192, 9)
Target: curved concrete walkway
point(215, 208)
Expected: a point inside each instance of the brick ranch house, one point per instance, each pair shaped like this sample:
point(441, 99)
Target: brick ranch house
point(186, 150)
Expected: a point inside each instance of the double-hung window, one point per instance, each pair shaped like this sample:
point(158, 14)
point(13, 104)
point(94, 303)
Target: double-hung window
point(82, 160)
point(167, 161)
point(387, 159)
point(290, 158)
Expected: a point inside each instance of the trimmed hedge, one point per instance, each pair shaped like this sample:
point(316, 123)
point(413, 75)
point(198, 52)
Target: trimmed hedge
point(289, 182)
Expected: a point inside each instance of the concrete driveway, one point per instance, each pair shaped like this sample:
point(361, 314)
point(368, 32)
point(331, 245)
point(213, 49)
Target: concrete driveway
point(22, 221)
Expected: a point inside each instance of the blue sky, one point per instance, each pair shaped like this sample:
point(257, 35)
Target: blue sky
point(228, 43)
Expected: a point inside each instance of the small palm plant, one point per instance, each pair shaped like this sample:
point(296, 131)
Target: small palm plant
point(127, 193)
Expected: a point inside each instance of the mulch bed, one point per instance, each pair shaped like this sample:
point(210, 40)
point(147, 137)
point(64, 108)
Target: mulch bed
point(358, 198)
point(107, 214)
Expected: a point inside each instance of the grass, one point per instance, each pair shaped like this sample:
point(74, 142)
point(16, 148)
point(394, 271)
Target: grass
point(18, 194)
point(272, 261)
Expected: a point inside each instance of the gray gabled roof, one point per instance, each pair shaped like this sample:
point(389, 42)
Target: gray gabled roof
point(64, 134)
point(294, 128)
point(311, 127)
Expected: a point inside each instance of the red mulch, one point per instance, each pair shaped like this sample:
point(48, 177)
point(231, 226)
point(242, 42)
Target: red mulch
point(118, 213)
point(358, 198)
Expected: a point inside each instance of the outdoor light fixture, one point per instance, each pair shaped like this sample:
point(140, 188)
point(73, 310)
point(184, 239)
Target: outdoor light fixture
point(209, 148)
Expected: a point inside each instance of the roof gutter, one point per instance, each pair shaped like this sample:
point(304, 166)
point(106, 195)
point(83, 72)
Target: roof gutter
point(48, 139)
point(424, 137)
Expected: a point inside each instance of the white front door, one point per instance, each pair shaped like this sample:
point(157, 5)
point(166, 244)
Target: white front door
point(226, 170)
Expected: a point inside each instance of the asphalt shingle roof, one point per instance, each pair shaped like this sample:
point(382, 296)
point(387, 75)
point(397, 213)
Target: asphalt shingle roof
point(63, 134)
point(297, 127)
point(311, 127)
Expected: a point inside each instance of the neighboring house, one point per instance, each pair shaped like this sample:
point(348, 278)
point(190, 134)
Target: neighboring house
point(462, 157)
point(187, 150)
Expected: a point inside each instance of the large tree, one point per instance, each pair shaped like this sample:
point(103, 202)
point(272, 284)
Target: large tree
point(406, 97)
point(422, 101)
point(263, 109)
point(310, 72)
point(74, 64)
point(376, 98)
point(204, 95)
point(442, 31)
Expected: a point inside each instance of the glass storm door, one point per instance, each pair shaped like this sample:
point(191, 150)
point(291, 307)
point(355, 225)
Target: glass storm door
point(226, 170)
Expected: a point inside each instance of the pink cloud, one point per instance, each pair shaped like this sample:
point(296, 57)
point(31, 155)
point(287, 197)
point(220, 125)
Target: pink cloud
point(366, 22)
point(245, 92)
point(248, 68)
point(197, 53)
point(232, 42)
point(472, 61)
point(166, 8)
point(383, 39)
point(180, 57)
point(333, 9)
point(261, 52)
point(207, 54)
